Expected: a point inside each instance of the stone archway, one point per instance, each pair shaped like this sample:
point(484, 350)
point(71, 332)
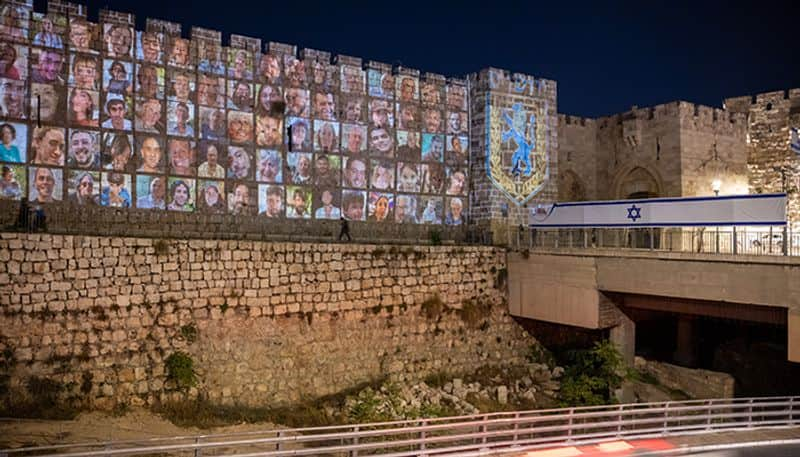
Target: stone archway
point(570, 187)
point(638, 182)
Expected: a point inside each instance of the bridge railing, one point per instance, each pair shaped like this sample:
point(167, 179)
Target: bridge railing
point(463, 435)
point(774, 241)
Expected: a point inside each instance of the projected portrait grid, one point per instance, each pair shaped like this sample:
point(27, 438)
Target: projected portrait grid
point(103, 114)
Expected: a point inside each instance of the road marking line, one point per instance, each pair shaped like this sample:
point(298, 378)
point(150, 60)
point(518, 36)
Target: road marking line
point(614, 446)
point(560, 452)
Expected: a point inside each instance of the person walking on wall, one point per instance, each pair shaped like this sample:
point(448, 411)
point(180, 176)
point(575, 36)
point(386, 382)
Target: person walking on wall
point(345, 232)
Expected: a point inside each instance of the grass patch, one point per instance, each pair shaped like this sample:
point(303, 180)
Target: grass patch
point(433, 307)
point(473, 312)
point(42, 399)
point(435, 237)
point(180, 369)
point(189, 332)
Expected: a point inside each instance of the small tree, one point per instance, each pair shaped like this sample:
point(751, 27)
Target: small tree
point(592, 375)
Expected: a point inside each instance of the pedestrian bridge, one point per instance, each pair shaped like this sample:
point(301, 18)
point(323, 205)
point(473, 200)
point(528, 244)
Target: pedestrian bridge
point(585, 287)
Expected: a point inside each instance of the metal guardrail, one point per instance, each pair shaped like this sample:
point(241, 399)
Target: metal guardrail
point(774, 241)
point(464, 434)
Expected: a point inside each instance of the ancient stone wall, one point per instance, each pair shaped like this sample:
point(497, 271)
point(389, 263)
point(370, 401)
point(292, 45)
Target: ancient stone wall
point(772, 165)
point(577, 158)
point(265, 323)
point(694, 382)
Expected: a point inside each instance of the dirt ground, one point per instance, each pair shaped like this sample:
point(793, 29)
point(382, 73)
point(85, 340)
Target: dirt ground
point(99, 426)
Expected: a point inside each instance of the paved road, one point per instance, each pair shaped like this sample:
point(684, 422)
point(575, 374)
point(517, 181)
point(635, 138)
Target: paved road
point(759, 451)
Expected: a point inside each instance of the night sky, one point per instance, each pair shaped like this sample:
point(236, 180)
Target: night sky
point(605, 58)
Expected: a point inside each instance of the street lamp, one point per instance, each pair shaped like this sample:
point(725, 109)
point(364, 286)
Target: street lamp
point(715, 186)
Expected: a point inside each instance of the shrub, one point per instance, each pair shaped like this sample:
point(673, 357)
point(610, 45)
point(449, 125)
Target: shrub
point(474, 312)
point(180, 368)
point(591, 375)
point(161, 247)
point(432, 307)
point(435, 237)
point(189, 332)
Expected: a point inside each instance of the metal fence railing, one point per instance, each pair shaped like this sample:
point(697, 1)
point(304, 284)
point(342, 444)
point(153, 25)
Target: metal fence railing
point(457, 435)
point(773, 241)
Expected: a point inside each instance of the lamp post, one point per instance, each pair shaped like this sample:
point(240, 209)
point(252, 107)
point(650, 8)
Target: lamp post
point(715, 186)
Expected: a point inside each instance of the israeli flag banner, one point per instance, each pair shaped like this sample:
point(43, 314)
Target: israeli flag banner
point(759, 209)
point(794, 140)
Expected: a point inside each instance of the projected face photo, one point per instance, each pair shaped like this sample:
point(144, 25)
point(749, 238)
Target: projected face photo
point(238, 163)
point(430, 93)
point(456, 122)
point(355, 173)
point(210, 91)
point(379, 207)
point(353, 203)
point(149, 115)
point(327, 170)
point(13, 61)
point(408, 116)
point(181, 119)
point(149, 48)
point(211, 197)
point(269, 100)
point(117, 77)
point(84, 188)
point(12, 98)
point(212, 124)
point(270, 200)
point(84, 149)
point(408, 177)
point(48, 146)
point(80, 35)
point(270, 69)
point(269, 131)
point(408, 145)
point(210, 56)
point(212, 156)
point(352, 79)
point(115, 190)
point(297, 102)
point(270, 166)
point(433, 178)
point(432, 120)
point(405, 209)
point(381, 142)
point(299, 138)
point(13, 142)
point(431, 210)
point(457, 149)
point(181, 157)
point(456, 183)
point(327, 206)
point(50, 31)
point(239, 200)
point(407, 88)
point(84, 72)
point(326, 136)
point(181, 86)
point(150, 155)
point(382, 176)
point(118, 152)
point(354, 138)
point(240, 127)
point(150, 81)
point(116, 114)
point(118, 39)
point(179, 53)
point(240, 96)
point(151, 192)
point(45, 184)
point(432, 147)
point(82, 108)
point(14, 23)
point(353, 110)
point(324, 76)
point(240, 64)
point(47, 66)
point(455, 209)
point(181, 194)
point(47, 102)
point(300, 167)
point(295, 70)
point(324, 106)
point(456, 98)
point(13, 182)
point(380, 114)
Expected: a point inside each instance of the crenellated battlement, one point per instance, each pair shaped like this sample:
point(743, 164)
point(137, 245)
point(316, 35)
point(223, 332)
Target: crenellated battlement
point(576, 121)
point(744, 103)
point(691, 115)
point(505, 81)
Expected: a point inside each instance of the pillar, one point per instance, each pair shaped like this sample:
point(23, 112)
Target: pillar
point(623, 335)
point(685, 348)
